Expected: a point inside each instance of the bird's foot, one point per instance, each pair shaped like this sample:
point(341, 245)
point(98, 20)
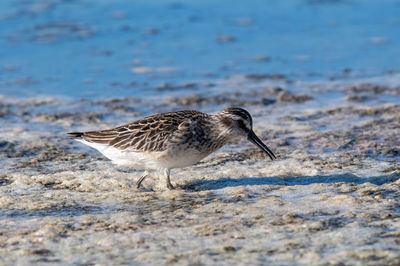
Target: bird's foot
point(170, 186)
point(139, 185)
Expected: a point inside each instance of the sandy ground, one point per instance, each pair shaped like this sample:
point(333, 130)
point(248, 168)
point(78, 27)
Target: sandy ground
point(331, 197)
point(305, 69)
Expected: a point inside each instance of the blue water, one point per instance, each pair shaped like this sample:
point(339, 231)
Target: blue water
point(88, 48)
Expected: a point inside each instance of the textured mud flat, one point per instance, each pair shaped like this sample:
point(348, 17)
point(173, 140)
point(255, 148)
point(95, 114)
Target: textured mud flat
point(332, 197)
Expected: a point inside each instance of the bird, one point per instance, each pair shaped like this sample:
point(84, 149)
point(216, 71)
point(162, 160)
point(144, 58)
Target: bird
point(171, 140)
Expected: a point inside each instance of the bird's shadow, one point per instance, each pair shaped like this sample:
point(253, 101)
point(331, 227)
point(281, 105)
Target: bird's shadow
point(146, 208)
point(203, 185)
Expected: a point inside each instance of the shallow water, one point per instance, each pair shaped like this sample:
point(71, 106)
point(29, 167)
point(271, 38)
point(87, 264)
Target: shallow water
point(331, 197)
point(86, 49)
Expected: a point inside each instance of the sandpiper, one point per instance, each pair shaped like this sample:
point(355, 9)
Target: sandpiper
point(171, 140)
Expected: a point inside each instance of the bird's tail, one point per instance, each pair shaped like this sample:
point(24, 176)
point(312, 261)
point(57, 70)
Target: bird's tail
point(75, 135)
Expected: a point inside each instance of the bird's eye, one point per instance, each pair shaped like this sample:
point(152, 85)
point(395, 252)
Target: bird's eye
point(242, 125)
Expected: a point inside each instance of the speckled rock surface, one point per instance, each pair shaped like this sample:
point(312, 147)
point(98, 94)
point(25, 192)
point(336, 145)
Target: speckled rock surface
point(332, 197)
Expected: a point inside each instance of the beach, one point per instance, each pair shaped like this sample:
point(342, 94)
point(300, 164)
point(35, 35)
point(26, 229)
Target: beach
point(330, 198)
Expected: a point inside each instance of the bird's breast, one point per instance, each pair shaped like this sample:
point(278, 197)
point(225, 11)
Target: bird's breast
point(181, 158)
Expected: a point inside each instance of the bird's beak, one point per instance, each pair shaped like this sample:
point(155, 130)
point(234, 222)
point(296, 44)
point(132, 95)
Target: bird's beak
point(253, 138)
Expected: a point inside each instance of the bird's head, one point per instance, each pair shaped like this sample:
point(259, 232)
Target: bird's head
point(237, 122)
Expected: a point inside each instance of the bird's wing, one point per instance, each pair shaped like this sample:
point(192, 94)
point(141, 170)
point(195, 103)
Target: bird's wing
point(148, 134)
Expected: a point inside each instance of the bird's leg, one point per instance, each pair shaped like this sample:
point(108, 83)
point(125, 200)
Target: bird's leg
point(169, 185)
point(139, 182)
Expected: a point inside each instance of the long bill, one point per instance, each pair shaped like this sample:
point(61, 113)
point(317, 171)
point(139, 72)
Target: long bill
point(254, 139)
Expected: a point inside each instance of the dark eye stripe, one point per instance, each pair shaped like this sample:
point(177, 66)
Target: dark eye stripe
point(244, 114)
point(241, 114)
point(242, 125)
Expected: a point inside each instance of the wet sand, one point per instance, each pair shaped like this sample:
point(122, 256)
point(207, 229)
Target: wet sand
point(321, 81)
point(331, 197)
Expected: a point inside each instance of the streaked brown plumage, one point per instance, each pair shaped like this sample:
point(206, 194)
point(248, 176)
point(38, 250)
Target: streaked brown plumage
point(171, 140)
point(149, 134)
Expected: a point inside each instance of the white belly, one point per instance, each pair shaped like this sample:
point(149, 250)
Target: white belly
point(148, 160)
point(179, 159)
point(135, 160)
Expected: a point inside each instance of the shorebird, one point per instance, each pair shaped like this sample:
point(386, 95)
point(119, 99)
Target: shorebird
point(171, 140)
